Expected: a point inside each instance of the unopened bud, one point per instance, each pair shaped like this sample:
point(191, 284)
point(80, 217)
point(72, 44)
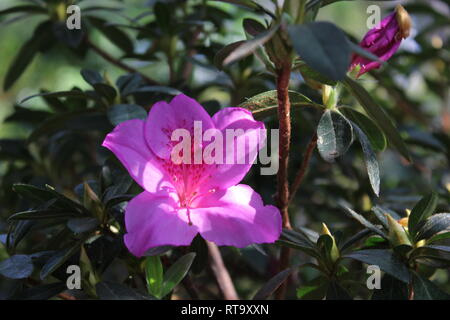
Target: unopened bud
point(397, 234)
point(404, 21)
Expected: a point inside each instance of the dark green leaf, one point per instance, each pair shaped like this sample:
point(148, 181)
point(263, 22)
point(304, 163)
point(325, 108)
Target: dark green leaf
point(241, 49)
point(24, 8)
point(253, 27)
point(336, 292)
point(323, 46)
point(378, 115)
point(362, 220)
point(26, 54)
point(373, 132)
point(80, 225)
point(114, 34)
point(427, 290)
point(91, 76)
point(58, 259)
point(19, 266)
point(272, 285)
point(43, 292)
point(421, 211)
point(114, 291)
point(123, 112)
point(42, 214)
point(309, 73)
point(385, 260)
point(370, 159)
point(391, 289)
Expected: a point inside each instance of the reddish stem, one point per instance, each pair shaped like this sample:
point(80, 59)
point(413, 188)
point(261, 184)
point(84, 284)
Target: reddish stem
point(284, 116)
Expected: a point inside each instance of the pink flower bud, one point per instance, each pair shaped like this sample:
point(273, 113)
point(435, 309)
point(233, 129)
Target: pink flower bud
point(383, 40)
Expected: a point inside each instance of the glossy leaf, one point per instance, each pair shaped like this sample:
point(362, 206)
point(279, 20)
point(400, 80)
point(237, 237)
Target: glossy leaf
point(272, 285)
point(266, 104)
point(421, 211)
point(176, 273)
point(19, 266)
point(123, 112)
point(370, 159)
point(323, 46)
point(154, 275)
point(385, 259)
point(371, 130)
point(378, 115)
point(334, 135)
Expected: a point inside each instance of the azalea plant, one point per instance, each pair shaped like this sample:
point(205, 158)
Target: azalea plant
point(293, 163)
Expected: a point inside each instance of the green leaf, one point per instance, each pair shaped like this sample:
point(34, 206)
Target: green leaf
point(323, 46)
point(91, 76)
point(433, 225)
point(391, 289)
point(370, 160)
point(336, 292)
point(272, 285)
point(176, 273)
point(309, 73)
point(19, 266)
point(438, 237)
point(43, 292)
point(58, 259)
point(253, 27)
point(241, 49)
point(266, 104)
point(80, 225)
point(243, 3)
point(156, 251)
point(24, 8)
point(124, 112)
point(427, 290)
point(372, 131)
point(378, 115)
point(114, 34)
point(29, 191)
point(386, 260)
point(114, 291)
point(421, 211)
point(154, 275)
point(60, 94)
point(362, 220)
point(26, 54)
point(42, 214)
point(334, 135)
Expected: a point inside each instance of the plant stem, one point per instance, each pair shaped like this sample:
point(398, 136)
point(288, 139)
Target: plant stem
point(221, 273)
point(304, 166)
point(284, 116)
point(117, 62)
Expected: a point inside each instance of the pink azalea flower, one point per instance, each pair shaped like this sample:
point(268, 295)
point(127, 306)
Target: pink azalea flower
point(383, 40)
point(181, 200)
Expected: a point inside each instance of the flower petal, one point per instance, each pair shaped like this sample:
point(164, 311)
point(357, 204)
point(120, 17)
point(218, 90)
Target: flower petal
point(165, 117)
point(234, 169)
point(152, 220)
point(127, 142)
point(237, 217)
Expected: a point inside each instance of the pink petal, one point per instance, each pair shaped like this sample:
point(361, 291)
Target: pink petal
point(236, 217)
point(165, 117)
point(153, 220)
point(128, 144)
point(225, 175)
